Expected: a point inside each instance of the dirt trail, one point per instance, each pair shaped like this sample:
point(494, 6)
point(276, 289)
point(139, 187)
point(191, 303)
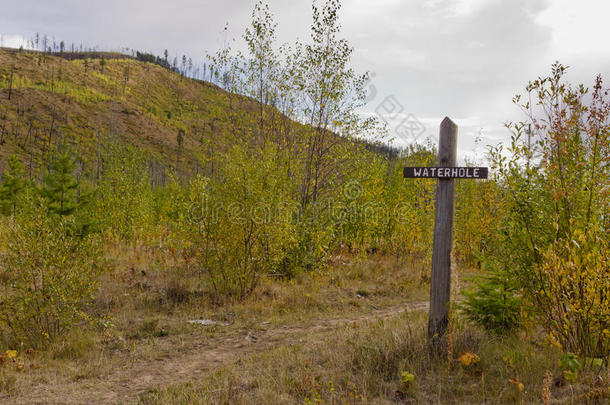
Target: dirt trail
point(125, 385)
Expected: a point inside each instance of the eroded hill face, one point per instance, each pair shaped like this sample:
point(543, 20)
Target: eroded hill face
point(54, 98)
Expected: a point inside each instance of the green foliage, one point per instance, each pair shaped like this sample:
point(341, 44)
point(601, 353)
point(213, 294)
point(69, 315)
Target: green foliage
point(410, 207)
point(570, 361)
point(103, 64)
point(60, 187)
point(12, 186)
point(307, 97)
point(48, 276)
point(125, 203)
point(554, 233)
point(147, 57)
point(493, 302)
point(232, 223)
point(85, 95)
point(477, 208)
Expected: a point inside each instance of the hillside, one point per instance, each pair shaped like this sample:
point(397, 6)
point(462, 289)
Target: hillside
point(86, 97)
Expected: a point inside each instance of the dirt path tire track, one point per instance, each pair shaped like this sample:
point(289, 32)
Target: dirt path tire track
point(125, 386)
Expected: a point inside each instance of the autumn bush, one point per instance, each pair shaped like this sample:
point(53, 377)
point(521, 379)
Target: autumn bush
point(554, 186)
point(575, 295)
point(232, 226)
point(477, 208)
point(48, 276)
point(12, 185)
point(125, 205)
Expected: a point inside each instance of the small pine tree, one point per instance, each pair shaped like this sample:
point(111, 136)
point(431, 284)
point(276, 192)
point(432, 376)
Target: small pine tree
point(60, 187)
point(102, 64)
point(493, 302)
point(12, 186)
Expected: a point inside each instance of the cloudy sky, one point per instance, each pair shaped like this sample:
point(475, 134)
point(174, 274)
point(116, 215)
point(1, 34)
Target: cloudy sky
point(430, 58)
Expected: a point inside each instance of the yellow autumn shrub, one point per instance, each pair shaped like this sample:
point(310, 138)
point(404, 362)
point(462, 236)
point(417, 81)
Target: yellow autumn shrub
point(48, 276)
point(575, 299)
point(554, 235)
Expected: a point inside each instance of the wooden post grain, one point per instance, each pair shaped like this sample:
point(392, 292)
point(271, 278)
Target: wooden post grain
point(440, 280)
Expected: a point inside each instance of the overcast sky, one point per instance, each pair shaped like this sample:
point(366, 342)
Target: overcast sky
point(433, 58)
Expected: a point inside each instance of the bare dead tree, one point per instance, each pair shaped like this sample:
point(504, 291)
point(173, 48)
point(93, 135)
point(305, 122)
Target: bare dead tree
point(126, 73)
point(3, 127)
point(10, 84)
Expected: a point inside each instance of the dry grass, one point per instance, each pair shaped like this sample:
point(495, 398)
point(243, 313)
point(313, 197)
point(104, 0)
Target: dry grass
point(362, 363)
point(150, 295)
point(149, 282)
point(340, 336)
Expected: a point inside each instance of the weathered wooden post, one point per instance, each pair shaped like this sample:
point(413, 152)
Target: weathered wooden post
point(440, 280)
point(446, 173)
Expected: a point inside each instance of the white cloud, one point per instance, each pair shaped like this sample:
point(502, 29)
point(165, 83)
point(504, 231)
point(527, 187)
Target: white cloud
point(579, 28)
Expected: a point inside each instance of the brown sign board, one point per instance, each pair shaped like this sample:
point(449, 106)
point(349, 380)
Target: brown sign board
point(445, 172)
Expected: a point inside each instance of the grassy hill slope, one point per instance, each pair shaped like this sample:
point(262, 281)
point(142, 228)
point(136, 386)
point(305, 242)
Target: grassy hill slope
point(55, 97)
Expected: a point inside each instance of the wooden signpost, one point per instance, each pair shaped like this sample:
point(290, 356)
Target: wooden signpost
point(446, 172)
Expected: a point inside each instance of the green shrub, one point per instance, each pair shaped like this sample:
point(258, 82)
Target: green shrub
point(65, 195)
point(493, 302)
point(12, 185)
point(232, 225)
point(125, 207)
point(48, 276)
point(59, 186)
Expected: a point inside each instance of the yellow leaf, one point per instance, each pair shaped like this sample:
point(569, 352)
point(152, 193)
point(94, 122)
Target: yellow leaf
point(11, 354)
point(570, 376)
point(468, 359)
point(517, 383)
point(407, 377)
